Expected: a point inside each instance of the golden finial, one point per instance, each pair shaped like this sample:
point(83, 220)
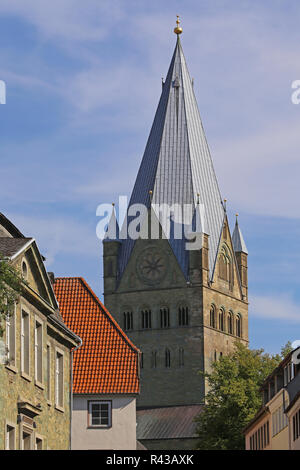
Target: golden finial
point(113, 204)
point(178, 29)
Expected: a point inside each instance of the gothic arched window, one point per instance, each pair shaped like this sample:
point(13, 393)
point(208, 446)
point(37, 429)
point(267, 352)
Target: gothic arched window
point(225, 264)
point(230, 323)
point(221, 319)
point(238, 328)
point(164, 317)
point(167, 358)
point(128, 320)
point(146, 318)
point(212, 316)
point(183, 316)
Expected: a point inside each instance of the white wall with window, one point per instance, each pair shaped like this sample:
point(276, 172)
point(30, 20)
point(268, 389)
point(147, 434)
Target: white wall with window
point(104, 422)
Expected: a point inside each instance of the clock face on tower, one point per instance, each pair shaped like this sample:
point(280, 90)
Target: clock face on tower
point(151, 265)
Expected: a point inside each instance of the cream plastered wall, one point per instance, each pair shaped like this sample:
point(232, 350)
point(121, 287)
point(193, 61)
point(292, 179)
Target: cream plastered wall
point(120, 436)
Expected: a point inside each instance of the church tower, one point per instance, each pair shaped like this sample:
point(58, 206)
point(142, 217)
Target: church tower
point(182, 303)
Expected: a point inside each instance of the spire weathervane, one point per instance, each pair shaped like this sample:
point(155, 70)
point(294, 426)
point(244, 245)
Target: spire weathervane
point(178, 29)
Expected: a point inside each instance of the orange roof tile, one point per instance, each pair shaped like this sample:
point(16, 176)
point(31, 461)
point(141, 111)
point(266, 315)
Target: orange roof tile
point(107, 361)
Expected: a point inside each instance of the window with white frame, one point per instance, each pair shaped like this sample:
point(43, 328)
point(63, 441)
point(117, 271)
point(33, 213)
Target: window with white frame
point(26, 441)
point(10, 437)
point(100, 413)
point(25, 342)
point(59, 379)
point(11, 337)
point(38, 350)
point(38, 443)
point(48, 372)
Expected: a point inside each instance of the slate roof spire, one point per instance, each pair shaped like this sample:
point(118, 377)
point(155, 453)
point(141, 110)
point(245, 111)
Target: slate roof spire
point(238, 241)
point(176, 164)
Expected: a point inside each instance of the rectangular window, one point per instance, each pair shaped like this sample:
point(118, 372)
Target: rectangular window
point(10, 438)
point(59, 380)
point(11, 337)
point(48, 372)
point(25, 341)
point(38, 349)
point(26, 440)
point(38, 443)
point(100, 413)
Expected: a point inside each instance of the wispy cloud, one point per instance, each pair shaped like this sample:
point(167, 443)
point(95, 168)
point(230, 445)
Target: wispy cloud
point(282, 308)
point(58, 236)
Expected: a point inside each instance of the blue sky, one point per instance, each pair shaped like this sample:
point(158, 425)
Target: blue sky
point(83, 82)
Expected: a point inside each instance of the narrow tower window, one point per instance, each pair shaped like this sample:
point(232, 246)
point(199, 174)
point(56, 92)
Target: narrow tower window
point(146, 319)
point(212, 317)
point(221, 320)
point(128, 321)
point(230, 323)
point(154, 359)
point(238, 326)
point(164, 317)
point(183, 315)
point(167, 358)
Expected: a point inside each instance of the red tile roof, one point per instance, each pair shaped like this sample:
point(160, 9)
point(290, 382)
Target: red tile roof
point(107, 361)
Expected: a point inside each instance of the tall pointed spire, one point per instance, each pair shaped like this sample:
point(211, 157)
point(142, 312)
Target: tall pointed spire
point(177, 164)
point(238, 241)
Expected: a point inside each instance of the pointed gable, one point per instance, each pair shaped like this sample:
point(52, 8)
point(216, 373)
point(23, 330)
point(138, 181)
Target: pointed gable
point(107, 361)
point(177, 165)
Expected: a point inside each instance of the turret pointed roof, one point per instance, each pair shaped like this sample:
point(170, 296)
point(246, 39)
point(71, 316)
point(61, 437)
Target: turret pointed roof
point(112, 232)
point(238, 241)
point(177, 165)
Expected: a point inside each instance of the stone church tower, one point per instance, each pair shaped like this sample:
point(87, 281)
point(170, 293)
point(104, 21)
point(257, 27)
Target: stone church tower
point(182, 307)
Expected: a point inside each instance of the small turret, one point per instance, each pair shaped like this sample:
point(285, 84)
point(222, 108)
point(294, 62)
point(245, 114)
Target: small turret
point(111, 247)
point(241, 254)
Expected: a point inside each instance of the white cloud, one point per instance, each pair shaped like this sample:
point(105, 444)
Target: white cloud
point(67, 19)
point(57, 236)
point(281, 308)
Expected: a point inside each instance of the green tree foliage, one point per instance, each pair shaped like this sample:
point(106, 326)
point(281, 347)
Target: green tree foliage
point(11, 285)
point(233, 398)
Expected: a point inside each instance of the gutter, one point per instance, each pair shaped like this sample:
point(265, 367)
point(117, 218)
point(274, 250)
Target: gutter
point(71, 389)
point(63, 327)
